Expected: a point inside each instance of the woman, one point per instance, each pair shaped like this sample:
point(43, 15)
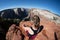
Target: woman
point(30, 31)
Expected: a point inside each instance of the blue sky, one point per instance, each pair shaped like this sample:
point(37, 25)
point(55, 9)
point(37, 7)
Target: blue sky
point(52, 5)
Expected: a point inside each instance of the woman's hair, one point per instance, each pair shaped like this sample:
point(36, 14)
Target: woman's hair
point(36, 18)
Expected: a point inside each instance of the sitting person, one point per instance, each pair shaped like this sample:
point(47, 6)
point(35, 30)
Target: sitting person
point(30, 29)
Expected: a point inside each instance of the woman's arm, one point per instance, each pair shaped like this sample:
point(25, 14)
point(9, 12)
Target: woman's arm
point(26, 38)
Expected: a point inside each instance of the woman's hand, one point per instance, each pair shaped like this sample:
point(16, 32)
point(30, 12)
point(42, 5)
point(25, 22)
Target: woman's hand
point(26, 38)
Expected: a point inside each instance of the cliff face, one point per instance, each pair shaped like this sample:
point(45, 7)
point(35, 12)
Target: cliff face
point(50, 21)
point(47, 14)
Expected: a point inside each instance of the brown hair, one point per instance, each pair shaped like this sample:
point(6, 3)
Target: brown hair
point(37, 18)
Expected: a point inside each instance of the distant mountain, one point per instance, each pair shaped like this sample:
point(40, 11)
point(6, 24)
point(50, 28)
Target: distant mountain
point(15, 13)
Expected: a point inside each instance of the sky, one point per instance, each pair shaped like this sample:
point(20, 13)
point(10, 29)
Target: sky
point(51, 5)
